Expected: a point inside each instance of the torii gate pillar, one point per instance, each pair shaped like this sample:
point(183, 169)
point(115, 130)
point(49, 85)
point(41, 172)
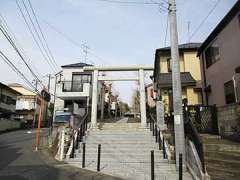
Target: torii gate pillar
point(94, 99)
point(142, 99)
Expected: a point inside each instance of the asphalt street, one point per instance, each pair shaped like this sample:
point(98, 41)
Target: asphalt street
point(19, 161)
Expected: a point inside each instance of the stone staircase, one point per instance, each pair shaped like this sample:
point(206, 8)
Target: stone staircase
point(222, 158)
point(125, 153)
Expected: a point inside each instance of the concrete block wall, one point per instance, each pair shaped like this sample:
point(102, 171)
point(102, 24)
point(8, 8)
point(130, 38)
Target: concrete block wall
point(228, 119)
point(7, 124)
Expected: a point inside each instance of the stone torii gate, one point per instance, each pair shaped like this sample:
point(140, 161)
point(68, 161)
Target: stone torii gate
point(137, 68)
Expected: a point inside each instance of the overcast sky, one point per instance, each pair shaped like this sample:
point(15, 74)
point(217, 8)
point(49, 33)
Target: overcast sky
point(116, 33)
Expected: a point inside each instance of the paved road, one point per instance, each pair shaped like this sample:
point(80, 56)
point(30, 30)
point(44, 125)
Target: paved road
point(18, 161)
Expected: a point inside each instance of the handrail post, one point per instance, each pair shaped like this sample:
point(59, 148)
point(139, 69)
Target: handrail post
point(153, 130)
point(99, 157)
point(81, 133)
point(164, 149)
point(156, 134)
point(202, 157)
point(73, 148)
point(83, 155)
point(62, 145)
point(180, 167)
point(77, 144)
point(159, 140)
point(152, 166)
point(150, 123)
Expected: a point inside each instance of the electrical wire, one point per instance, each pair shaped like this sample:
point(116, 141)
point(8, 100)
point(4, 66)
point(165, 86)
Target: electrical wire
point(6, 35)
point(71, 40)
point(40, 29)
point(15, 69)
point(204, 20)
point(40, 39)
point(46, 57)
point(10, 32)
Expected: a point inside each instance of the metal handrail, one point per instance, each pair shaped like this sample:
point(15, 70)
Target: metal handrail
point(192, 133)
point(80, 131)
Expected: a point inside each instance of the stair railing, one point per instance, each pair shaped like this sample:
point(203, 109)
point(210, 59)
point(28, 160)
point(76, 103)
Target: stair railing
point(192, 134)
point(78, 134)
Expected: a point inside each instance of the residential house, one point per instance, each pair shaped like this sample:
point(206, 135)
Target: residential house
point(73, 87)
point(8, 98)
point(220, 61)
point(25, 106)
point(190, 75)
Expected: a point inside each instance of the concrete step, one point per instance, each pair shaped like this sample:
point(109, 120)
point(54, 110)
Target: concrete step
point(139, 131)
point(222, 148)
point(119, 145)
point(121, 135)
point(223, 155)
point(138, 139)
point(223, 173)
point(129, 150)
point(136, 171)
point(119, 156)
point(232, 164)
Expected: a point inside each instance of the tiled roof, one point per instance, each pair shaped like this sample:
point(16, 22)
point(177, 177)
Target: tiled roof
point(76, 65)
point(183, 46)
point(9, 89)
point(165, 80)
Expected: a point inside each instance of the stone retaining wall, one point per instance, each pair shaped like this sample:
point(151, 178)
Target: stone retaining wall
point(229, 119)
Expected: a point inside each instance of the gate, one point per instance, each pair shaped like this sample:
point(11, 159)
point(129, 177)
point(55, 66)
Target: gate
point(204, 118)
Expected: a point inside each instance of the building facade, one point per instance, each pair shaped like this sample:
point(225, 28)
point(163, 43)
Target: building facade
point(8, 98)
point(25, 105)
point(73, 87)
point(220, 61)
point(190, 75)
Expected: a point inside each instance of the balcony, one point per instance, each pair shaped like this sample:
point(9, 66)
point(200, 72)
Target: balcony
point(68, 90)
point(72, 86)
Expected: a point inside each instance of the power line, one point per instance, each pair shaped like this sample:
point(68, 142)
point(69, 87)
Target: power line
point(40, 39)
point(41, 47)
point(7, 36)
point(15, 69)
point(204, 20)
point(71, 40)
point(40, 29)
point(7, 28)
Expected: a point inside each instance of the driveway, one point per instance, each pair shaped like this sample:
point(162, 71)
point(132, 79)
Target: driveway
point(19, 161)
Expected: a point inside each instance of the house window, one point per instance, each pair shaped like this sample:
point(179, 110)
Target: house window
point(3, 98)
point(212, 54)
point(229, 92)
point(78, 80)
point(169, 64)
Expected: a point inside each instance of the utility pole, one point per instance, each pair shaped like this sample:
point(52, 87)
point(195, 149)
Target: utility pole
point(35, 104)
point(47, 104)
point(177, 89)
